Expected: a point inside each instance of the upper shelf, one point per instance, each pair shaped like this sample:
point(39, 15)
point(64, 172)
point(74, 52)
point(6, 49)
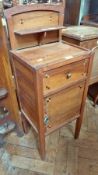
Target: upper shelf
point(38, 30)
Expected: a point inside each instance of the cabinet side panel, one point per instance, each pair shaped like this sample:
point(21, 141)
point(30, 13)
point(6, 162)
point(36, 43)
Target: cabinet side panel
point(26, 90)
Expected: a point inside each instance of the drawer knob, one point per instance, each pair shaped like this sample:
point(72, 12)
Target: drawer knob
point(46, 76)
point(68, 75)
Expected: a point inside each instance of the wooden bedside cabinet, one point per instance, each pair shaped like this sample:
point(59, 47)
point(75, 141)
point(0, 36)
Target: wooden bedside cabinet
point(51, 76)
point(87, 37)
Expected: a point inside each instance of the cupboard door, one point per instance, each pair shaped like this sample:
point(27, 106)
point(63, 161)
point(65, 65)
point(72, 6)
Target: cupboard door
point(63, 106)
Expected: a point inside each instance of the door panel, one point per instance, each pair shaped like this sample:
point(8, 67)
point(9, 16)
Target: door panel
point(62, 106)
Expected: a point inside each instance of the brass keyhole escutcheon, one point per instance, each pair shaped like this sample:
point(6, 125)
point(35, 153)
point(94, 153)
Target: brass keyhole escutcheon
point(46, 119)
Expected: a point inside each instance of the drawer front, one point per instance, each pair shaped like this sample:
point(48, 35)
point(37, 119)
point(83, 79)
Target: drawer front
point(64, 76)
point(62, 106)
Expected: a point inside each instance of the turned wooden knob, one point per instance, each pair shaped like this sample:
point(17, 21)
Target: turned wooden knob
point(69, 75)
point(46, 76)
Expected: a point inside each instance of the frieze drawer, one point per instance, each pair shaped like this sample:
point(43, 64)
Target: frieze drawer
point(64, 76)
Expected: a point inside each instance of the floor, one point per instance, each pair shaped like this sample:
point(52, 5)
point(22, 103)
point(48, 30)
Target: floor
point(64, 155)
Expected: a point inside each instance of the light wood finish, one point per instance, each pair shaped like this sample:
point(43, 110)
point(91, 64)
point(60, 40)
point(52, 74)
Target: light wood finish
point(87, 37)
point(7, 81)
point(52, 78)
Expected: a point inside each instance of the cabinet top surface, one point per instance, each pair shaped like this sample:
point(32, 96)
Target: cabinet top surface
point(81, 32)
point(47, 55)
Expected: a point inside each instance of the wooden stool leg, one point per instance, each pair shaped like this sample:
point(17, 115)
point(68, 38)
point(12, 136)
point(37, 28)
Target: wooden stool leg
point(78, 126)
